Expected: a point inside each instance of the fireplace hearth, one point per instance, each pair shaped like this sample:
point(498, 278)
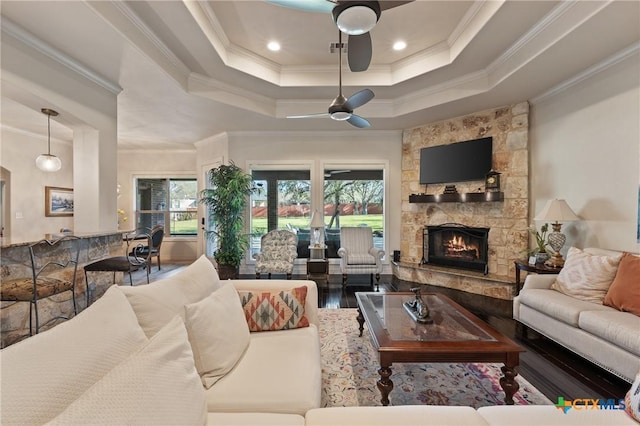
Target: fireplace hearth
point(457, 246)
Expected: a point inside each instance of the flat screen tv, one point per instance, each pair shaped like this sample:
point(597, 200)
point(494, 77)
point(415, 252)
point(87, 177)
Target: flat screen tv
point(456, 162)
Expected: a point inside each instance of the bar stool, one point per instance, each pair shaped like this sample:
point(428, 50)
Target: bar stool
point(133, 260)
point(48, 260)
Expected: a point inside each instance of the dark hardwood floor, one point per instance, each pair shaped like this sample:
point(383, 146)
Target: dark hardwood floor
point(549, 367)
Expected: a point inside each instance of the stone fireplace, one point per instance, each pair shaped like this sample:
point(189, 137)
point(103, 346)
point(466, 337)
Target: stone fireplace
point(457, 246)
point(505, 218)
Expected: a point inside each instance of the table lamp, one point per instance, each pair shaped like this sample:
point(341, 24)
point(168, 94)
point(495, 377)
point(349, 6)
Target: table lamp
point(556, 211)
point(316, 225)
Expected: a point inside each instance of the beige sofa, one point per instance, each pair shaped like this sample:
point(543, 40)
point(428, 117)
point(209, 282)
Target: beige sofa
point(129, 359)
point(603, 335)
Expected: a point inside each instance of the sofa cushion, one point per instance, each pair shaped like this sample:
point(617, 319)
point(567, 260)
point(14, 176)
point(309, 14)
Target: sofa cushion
point(557, 305)
point(280, 372)
point(156, 303)
point(218, 333)
point(586, 276)
point(254, 419)
point(549, 415)
point(278, 310)
point(407, 415)
point(624, 293)
point(620, 328)
point(632, 399)
point(43, 374)
point(157, 385)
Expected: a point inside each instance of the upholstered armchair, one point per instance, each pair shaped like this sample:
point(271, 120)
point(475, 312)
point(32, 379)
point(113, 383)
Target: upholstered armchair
point(278, 251)
point(357, 253)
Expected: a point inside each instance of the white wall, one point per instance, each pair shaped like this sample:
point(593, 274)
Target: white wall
point(585, 148)
point(156, 163)
point(18, 154)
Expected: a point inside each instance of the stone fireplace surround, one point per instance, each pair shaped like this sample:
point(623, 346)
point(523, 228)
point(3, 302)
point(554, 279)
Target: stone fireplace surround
point(507, 219)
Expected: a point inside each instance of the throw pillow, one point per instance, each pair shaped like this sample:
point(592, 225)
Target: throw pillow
point(156, 303)
point(586, 276)
point(218, 333)
point(624, 293)
point(158, 385)
point(632, 400)
point(45, 373)
point(266, 311)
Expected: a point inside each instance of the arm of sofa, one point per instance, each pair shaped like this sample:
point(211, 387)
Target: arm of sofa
point(542, 281)
point(311, 304)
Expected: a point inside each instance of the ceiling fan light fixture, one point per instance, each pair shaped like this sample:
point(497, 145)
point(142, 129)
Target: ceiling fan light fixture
point(341, 115)
point(48, 162)
point(356, 17)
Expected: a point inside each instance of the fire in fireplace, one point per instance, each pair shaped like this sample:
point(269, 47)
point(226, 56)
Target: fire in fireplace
point(457, 246)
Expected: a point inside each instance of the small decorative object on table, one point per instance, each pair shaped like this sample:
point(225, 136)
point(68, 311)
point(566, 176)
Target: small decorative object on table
point(450, 189)
point(418, 309)
point(540, 252)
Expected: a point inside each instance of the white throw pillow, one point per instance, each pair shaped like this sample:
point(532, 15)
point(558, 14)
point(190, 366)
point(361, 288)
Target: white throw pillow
point(586, 276)
point(158, 385)
point(218, 333)
point(45, 373)
point(156, 303)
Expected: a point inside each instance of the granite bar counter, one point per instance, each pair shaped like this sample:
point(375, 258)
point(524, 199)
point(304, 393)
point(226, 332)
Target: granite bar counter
point(15, 263)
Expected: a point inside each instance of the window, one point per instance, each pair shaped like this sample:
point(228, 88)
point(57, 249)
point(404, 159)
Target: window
point(172, 201)
point(353, 198)
point(281, 201)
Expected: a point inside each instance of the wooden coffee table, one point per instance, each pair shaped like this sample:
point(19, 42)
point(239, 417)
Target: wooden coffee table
point(456, 335)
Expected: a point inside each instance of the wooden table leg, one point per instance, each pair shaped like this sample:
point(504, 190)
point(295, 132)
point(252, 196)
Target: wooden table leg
point(509, 384)
point(360, 319)
point(385, 385)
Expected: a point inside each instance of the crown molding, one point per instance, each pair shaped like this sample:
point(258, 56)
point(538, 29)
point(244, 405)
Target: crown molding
point(612, 60)
point(25, 37)
point(231, 95)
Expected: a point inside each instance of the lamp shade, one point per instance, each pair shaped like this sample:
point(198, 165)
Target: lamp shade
point(557, 211)
point(316, 220)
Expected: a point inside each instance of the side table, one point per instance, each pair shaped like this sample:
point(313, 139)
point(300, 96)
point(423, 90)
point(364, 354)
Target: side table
point(318, 268)
point(538, 268)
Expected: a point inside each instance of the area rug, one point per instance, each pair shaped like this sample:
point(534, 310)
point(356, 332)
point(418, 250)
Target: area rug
point(350, 372)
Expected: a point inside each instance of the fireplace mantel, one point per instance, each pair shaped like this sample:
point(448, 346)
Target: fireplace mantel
point(467, 197)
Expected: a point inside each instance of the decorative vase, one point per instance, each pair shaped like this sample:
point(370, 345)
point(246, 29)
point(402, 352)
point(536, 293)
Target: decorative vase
point(541, 257)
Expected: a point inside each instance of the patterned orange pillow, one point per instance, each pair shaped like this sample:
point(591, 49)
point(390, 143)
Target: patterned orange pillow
point(624, 293)
point(632, 400)
point(267, 311)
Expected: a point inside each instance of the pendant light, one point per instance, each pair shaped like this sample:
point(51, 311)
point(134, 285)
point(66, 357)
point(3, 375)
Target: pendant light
point(48, 162)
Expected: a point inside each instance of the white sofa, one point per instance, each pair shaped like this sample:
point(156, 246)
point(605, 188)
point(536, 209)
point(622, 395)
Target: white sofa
point(129, 359)
point(599, 333)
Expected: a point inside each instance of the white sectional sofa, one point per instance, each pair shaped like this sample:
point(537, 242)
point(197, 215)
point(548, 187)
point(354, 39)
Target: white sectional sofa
point(605, 336)
point(136, 356)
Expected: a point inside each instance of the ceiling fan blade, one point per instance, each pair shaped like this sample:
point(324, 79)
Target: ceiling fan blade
point(358, 99)
point(322, 6)
point(359, 122)
point(318, 115)
point(359, 52)
point(389, 4)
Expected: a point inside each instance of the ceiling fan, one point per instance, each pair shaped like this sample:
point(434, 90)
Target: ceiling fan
point(341, 109)
point(353, 17)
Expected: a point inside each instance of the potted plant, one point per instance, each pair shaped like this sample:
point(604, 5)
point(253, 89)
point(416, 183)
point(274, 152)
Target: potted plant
point(226, 200)
point(540, 251)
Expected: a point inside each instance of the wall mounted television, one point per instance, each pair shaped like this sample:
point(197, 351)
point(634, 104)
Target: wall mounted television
point(456, 162)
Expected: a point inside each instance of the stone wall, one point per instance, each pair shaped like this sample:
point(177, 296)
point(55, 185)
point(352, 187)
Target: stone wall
point(15, 263)
point(508, 219)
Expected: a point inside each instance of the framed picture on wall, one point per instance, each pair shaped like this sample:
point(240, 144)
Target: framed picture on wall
point(58, 201)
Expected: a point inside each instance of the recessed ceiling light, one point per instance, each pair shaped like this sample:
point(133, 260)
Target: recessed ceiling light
point(274, 46)
point(399, 45)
